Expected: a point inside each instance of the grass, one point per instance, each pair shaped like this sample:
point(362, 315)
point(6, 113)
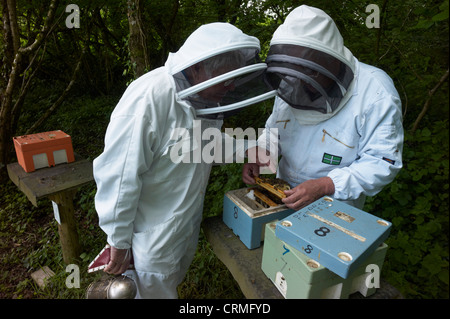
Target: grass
point(30, 240)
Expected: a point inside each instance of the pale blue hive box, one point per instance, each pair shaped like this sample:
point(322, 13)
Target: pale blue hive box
point(247, 219)
point(336, 235)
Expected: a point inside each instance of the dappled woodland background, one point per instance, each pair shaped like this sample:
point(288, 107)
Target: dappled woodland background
point(57, 77)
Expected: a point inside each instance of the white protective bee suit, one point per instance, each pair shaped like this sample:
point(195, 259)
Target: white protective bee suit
point(151, 177)
point(336, 116)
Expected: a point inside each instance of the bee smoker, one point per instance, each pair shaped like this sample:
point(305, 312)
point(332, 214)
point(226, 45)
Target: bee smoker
point(112, 287)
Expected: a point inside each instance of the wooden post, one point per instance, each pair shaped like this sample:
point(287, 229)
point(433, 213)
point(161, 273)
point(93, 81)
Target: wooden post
point(67, 227)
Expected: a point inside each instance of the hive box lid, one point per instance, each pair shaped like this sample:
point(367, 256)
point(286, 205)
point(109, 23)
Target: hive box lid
point(41, 140)
point(338, 236)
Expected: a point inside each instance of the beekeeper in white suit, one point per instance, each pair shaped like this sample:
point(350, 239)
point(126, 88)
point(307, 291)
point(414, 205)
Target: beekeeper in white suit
point(339, 120)
point(150, 202)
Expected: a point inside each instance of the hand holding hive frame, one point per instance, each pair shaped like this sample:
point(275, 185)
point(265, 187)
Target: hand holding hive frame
point(270, 191)
point(274, 185)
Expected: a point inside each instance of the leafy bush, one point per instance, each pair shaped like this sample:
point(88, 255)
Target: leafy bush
point(417, 203)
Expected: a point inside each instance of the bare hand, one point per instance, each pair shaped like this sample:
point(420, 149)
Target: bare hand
point(120, 261)
point(257, 157)
point(261, 157)
point(249, 172)
point(308, 192)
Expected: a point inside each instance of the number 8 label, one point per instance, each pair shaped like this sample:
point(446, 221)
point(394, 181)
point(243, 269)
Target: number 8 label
point(322, 231)
point(308, 249)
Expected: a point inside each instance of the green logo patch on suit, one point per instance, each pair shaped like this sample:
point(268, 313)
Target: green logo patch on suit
point(331, 159)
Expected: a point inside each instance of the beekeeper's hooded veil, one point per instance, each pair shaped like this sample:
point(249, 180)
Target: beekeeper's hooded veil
point(310, 66)
point(218, 71)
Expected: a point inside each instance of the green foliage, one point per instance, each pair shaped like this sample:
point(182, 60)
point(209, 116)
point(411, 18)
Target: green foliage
point(417, 203)
point(223, 178)
point(84, 118)
point(411, 46)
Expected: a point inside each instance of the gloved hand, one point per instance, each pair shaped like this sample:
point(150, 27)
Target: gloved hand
point(308, 192)
point(119, 262)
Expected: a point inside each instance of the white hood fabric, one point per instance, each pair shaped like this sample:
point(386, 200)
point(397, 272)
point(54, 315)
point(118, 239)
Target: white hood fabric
point(207, 41)
point(230, 59)
point(310, 27)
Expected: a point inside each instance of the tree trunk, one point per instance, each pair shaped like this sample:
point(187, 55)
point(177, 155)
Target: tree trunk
point(137, 43)
point(13, 68)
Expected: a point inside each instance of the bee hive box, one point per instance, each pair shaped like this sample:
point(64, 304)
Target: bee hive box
point(336, 235)
point(246, 216)
point(298, 276)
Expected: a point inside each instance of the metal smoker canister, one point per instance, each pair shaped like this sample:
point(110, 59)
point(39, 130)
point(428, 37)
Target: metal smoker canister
point(121, 287)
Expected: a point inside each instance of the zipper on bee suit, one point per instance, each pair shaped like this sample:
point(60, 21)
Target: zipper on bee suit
point(326, 133)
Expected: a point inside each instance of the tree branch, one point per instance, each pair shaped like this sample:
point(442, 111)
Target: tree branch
point(27, 81)
point(13, 24)
point(43, 34)
point(426, 106)
point(60, 99)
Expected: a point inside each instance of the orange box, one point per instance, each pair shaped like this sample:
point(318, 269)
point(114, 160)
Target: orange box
point(43, 150)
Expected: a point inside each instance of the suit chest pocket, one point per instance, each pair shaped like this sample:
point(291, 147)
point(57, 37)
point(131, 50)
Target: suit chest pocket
point(339, 145)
